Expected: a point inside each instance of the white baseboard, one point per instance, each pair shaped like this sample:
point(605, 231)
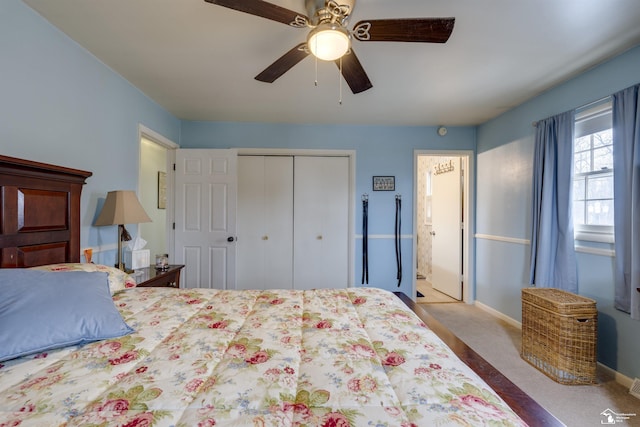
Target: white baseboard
point(498, 314)
point(619, 378)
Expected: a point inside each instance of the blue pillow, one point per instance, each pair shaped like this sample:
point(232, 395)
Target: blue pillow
point(42, 310)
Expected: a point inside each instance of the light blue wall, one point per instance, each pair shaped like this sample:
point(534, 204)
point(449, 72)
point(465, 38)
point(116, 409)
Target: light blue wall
point(60, 105)
point(380, 150)
point(504, 167)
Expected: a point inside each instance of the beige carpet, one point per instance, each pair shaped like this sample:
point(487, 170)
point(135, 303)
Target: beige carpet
point(499, 343)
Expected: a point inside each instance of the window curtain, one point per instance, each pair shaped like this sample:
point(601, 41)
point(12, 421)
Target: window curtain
point(626, 187)
point(553, 258)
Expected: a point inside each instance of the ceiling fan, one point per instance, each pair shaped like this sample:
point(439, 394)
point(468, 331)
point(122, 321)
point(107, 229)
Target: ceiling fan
point(329, 38)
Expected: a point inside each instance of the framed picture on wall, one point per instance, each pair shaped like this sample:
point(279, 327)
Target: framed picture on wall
point(384, 183)
point(162, 190)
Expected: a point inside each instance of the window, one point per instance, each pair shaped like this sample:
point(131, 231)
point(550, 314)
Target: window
point(593, 173)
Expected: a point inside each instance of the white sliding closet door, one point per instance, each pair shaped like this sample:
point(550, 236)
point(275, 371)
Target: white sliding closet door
point(321, 222)
point(265, 222)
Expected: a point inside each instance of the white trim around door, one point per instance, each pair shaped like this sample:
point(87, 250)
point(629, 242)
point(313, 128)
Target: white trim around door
point(468, 258)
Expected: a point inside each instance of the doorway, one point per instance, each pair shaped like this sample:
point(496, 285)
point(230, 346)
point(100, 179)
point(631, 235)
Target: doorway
point(155, 190)
point(442, 212)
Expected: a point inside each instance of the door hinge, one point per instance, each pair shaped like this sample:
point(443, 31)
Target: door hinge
point(174, 225)
point(174, 166)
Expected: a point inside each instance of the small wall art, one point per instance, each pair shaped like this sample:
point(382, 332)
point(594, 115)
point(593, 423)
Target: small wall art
point(384, 183)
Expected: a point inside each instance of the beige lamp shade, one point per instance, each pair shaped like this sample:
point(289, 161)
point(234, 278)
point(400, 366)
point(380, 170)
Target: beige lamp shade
point(122, 207)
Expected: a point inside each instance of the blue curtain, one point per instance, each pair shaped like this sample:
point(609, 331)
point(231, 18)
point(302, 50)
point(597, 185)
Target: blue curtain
point(626, 187)
point(553, 258)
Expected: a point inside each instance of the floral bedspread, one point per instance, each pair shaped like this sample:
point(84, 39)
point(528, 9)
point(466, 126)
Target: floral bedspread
point(201, 357)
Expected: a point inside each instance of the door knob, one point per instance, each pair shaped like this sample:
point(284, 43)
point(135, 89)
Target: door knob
point(319, 237)
point(265, 237)
point(230, 239)
point(433, 233)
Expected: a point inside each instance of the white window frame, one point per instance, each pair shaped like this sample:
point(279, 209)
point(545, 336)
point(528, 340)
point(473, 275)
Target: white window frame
point(591, 119)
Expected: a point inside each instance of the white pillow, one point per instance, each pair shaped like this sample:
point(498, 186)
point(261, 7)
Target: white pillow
point(118, 279)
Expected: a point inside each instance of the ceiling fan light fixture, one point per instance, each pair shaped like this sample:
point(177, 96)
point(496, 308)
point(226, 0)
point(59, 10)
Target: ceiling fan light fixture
point(329, 41)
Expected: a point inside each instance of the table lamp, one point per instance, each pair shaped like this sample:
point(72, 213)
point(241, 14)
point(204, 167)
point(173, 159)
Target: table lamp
point(121, 207)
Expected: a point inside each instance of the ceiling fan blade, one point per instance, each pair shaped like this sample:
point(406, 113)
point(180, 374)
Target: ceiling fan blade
point(425, 30)
point(353, 73)
point(264, 10)
point(283, 64)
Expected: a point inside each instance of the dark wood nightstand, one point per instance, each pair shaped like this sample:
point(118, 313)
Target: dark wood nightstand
point(150, 276)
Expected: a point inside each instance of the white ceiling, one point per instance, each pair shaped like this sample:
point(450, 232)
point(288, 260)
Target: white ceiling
point(199, 60)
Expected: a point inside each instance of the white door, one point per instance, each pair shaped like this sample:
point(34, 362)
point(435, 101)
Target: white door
point(265, 222)
point(321, 222)
point(205, 217)
point(446, 232)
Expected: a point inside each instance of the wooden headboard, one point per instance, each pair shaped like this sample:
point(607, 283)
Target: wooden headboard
point(39, 213)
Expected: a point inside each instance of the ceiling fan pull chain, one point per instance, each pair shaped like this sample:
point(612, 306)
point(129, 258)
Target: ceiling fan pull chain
point(316, 62)
point(340, 80)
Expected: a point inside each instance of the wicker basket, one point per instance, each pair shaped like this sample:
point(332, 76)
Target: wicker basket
point(559, 333)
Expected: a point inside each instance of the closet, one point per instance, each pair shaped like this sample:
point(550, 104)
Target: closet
point(265, 222)
point(293, 222)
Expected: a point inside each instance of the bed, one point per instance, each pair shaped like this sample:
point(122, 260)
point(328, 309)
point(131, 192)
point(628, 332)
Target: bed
point(202, 357)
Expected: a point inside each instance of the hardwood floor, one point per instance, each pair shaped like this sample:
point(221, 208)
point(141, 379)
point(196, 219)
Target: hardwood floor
point(522, 404)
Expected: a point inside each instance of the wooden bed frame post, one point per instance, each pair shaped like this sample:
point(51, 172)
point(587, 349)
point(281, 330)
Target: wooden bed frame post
point(39, 213)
